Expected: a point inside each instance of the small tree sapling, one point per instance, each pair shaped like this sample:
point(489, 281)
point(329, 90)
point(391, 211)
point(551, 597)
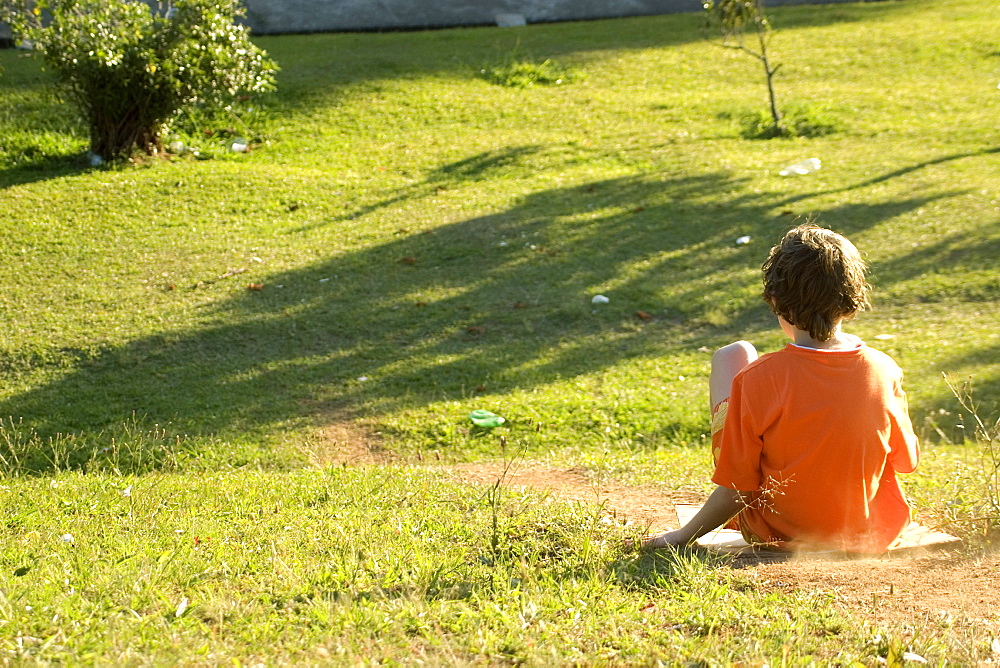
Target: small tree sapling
point(743, 25)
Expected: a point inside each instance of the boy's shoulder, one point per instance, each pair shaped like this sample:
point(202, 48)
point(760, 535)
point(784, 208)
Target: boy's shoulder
point(878, 356)
point(794, 358)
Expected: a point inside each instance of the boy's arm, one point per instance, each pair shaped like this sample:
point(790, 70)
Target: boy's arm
point(722, 505)
point(903, 451)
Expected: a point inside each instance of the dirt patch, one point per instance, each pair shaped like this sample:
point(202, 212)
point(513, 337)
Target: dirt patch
point(642, 506)
point(343, 440)
point(943, 589)
point(946, 589)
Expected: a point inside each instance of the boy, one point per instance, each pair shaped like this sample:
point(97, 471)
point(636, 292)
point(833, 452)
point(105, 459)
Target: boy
point(808, 440)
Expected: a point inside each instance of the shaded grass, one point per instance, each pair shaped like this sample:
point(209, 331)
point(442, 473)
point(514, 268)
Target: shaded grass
point(442, 237)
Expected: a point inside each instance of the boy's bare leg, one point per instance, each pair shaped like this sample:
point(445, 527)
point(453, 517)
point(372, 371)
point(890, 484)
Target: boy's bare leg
point(723, 504)
point(728, 361)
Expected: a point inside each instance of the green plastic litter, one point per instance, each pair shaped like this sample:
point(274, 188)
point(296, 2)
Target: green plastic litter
point(482, 418)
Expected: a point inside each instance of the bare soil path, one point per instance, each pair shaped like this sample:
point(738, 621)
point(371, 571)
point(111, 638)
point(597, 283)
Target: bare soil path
point(948, 589)
point(643, 506)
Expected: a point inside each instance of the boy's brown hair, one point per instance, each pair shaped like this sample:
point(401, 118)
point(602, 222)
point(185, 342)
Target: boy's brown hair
point(813, 278)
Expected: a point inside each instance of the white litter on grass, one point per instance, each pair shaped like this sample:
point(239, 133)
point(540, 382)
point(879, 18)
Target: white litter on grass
point(127, 492)
point(239, 145)
point(743, 241)
point(884, 337)
point(181, 607)
point(67, 538)
point(799, 168)
point(363, 379)
point(599, 299)
point(915, 658)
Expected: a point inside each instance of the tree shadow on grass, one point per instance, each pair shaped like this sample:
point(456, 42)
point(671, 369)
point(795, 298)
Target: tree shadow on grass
point(482, 166)
point(903, 171)
point(952, 270)
point(943, 262)
point(501, 301)
point(978, 386)
point(43, 167)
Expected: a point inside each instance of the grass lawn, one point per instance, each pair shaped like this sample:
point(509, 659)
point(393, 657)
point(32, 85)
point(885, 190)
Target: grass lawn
point(428, 243)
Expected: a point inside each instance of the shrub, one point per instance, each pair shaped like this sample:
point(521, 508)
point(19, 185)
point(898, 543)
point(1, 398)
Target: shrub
point(130, 69)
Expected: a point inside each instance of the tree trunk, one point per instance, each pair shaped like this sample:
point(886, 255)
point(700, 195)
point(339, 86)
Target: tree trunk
point(778, 128)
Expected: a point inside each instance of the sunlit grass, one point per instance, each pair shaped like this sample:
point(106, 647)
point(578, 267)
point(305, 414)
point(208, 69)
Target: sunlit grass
point(428, 244)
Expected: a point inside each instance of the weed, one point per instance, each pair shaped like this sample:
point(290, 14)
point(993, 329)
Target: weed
point(803, 120)
point(985, 438)
point(518, 69)
point(958, 485)
point(496, 494)
point(129, 449)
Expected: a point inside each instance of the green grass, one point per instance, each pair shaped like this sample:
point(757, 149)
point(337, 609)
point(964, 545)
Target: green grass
point(441, 236)
point(347, 566)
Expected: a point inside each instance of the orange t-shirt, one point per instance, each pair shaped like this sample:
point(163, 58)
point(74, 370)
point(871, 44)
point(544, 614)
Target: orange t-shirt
point(820, 435)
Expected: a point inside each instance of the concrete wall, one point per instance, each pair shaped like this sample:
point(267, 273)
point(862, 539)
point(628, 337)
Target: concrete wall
point(278, 16)
point(293, 16)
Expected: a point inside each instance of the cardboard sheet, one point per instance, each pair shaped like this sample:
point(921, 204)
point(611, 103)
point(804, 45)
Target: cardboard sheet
point(915, 537)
